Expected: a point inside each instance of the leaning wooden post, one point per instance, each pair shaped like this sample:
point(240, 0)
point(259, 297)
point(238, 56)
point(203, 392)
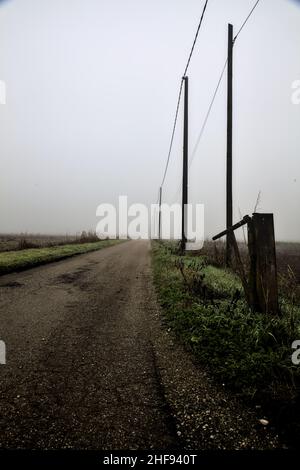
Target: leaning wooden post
point(263, 269)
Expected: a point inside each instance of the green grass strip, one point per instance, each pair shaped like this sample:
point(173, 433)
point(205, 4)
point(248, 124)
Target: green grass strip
point(19, 260)
point(248, 351)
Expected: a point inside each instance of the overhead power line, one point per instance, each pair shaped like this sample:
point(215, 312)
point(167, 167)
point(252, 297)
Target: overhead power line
point(195, 40)
point(180, 91)
point(246, 20)
point(173, 133)
point(205, 122)
point(208, 113)
point(215, 94)
point(218, 86)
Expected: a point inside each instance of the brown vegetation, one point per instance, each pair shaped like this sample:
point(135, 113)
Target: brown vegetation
point(23, 241)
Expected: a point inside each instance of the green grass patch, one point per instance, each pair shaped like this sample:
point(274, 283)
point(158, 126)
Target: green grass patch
point(222, 281)
point(250, 352)
point(23, 259)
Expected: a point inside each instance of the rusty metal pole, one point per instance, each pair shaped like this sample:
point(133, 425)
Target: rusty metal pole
point(229, 222)
point(185, 167)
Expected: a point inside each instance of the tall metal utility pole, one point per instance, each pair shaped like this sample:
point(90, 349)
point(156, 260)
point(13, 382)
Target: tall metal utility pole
point(229, 222)
point(159, 214)
point(185, 165)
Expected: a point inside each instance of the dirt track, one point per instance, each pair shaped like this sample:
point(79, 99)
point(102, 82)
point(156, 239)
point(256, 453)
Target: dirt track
point(90, 366)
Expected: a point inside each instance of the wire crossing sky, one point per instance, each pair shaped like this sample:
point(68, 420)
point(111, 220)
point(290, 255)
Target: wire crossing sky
point(213, 98)
point(180, 91)
point(90, 89)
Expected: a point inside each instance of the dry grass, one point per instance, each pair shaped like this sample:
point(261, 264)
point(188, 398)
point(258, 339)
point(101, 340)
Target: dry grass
point(24, 241)
point(288, 264)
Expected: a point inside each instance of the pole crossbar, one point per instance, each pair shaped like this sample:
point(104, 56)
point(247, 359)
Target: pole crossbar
point(234, 227)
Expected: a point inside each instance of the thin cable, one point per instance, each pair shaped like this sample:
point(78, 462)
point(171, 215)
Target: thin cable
point(180, 91)
point(218, 86)
point(215, 92)
point(173, 133)
point(246, 20)
point(208, 114)
point(195, 39)
point(205, 120)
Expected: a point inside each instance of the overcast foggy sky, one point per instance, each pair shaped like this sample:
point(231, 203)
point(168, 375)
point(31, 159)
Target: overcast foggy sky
point(91, 94)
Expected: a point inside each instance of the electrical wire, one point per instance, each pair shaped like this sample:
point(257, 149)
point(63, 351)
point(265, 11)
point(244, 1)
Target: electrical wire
point(195, 40)
point(246, 20)
point(180, 92)
point(205, 121)
point(173, 133)
point(207, 114)
point(218, 86)
point(213, 97)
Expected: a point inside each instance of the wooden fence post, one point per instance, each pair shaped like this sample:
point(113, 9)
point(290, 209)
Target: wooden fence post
point(263, 269)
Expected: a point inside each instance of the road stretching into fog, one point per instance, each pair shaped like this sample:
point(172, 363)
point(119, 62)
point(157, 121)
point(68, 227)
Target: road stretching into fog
point(89, 365)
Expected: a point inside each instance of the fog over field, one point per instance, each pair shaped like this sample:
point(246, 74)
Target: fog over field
point(91, 89)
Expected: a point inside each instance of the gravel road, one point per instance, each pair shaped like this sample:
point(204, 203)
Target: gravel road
point(91, 366)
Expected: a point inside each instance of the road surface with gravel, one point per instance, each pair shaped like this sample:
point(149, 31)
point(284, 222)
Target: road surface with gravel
point(90, 364)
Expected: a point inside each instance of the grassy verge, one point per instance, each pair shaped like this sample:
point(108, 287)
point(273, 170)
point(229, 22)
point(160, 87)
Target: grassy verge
point(248, 352)
point(23, 259)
